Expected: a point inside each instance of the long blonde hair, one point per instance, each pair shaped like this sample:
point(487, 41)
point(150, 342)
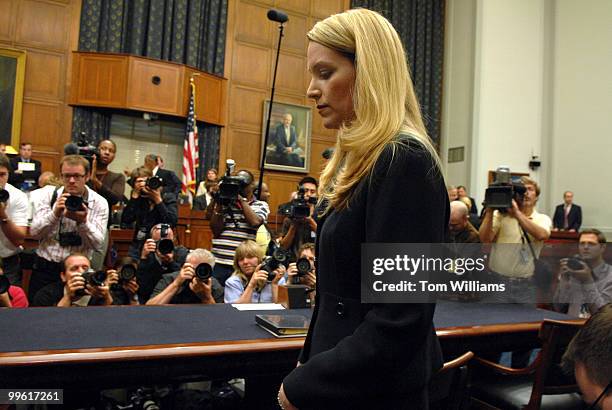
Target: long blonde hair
point(383, 98)
point(247, 249)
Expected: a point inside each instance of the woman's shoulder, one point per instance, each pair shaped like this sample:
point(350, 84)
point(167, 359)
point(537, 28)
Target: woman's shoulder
point(406, 151)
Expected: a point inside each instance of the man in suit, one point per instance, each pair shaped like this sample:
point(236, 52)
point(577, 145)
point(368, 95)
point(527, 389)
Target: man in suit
point(461, 193)
point(25, 179)
point(172, 183)
point(568, 216)
point(285, 140)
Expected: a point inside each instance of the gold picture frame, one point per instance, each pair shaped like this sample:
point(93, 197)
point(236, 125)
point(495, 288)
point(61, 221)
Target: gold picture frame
point(12, 80)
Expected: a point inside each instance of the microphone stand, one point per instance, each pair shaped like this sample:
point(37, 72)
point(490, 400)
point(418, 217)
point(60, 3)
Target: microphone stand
point(281, 27)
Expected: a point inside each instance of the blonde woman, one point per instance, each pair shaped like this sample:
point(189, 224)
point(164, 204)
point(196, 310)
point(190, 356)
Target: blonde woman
point(249, 283)
point(382, 184)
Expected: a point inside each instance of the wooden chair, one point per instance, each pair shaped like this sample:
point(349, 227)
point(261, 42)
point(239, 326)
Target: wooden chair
point(448, 388)
point(541, 385)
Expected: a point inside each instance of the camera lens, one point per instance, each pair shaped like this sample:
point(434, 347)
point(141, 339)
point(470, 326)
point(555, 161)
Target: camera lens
point(154, 182)
point(203, 271)
point(127, 273)
point(94, 278)
point(74, 203)
point(4, 195)
point(165, 246)
point(303, 266)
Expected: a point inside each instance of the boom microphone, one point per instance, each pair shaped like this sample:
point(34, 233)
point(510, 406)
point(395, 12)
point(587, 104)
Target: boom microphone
point(278, 16)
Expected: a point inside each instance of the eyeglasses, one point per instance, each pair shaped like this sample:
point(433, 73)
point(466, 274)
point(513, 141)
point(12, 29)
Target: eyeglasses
point(67, 177)
point(595, 406)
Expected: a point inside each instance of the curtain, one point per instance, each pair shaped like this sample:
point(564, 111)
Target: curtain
point(189, 32)
point(420, 25)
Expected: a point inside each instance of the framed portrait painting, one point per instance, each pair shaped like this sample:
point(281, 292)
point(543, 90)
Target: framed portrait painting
point(12, 76)
point(288, 147)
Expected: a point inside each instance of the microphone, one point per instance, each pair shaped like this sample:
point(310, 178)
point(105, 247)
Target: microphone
point(278, 16)
point(71, 149)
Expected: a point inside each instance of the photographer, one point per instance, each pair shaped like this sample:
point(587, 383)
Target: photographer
point(516, 268)
point(123, 283)
point(250, 283)
point(156, 261)
point(146, 207)
point(298, 230)
point(192, 284)
point(67, 219)
point(13, 223)
point(78, 287)
point(110, 185)
point(585, 282)
point(234, 222)
point(295, 276)
point(171, 183)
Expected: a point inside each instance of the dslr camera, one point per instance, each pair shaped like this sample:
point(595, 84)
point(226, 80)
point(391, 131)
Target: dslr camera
point(275, 257)
point(93, 278)
point(303, 266)
point(503, 190)
point(164, 245)
point(85, 149)
point(300, 206)
point(74, 203)
point(230, 186)
point(127, 272)
point(154, 182)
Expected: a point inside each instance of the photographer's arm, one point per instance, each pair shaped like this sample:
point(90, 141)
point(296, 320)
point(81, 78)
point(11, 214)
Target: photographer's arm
point(486, 233)
point(165, 296)
point(532, 228)
point(288, 238)
point(45, 219)
point(5, 300)
point(216, 220)
point(13, 232)
point(251, 217)
point(93, 229)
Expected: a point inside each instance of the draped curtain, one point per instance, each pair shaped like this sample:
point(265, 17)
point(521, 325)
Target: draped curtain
point(420, 24)
point(189, 32)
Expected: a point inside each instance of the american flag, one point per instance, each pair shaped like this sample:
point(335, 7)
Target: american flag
point(190, 149)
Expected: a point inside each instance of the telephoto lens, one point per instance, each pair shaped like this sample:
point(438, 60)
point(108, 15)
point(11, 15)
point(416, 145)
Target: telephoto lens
point(165, 246)
point(74, 203)
point(4, 195)
point(303, 266)
point(203, 272)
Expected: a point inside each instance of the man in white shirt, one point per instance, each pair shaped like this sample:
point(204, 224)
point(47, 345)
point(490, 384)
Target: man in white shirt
point(68, 219)
point(13, 223)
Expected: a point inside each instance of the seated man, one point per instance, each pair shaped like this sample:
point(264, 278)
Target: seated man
point(309, 278)
point(585, 283)
point(192, 284)
point(461, 230)
point(74, 289)
point(155, 262)
point(589, 358)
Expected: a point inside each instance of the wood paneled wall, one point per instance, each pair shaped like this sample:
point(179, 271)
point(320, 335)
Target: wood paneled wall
point(48, 32)
point(249, 66)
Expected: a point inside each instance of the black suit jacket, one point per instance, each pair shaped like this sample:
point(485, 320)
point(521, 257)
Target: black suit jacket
point(280, 138)
point(17, 179)
point(372, 356)
point(574, 218)
point(172, 183)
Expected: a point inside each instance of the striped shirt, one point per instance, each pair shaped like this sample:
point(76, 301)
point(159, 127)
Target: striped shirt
point(234, 234)
point(45, 226)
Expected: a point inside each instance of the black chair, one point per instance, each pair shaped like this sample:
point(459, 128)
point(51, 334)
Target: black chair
point(541, 385)
point(448, 388)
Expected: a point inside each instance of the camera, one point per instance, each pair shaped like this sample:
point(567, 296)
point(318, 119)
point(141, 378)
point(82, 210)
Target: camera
point(303, 266)
point(230, 186)
point(70, 239)
point(275, 257)
point(94, 277)
point(85, 149)
point(502, 191)
point(575, 263)
point(74, 203)
point(127, 273)
point(154, 182)
point(203, 271)
point(164, 245)
point(4, 284)
point(300, 207)
point(4, 195)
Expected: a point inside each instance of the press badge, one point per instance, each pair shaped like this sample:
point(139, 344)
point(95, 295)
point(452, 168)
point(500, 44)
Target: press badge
point(525, 256)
